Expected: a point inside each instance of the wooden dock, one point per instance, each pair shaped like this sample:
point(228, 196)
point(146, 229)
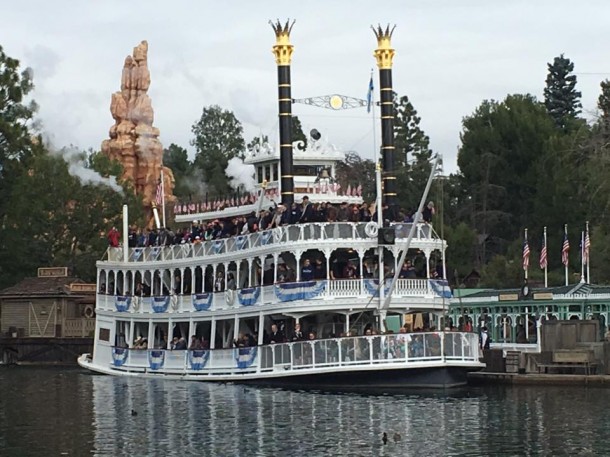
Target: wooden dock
point(43, 350)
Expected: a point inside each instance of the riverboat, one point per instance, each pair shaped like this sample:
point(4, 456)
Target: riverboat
point(276, 306)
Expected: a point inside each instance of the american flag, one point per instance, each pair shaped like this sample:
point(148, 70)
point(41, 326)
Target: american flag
point(587, 248)
point(565, 250)
point(526, 255)
point(543, 256)
point(159, 195)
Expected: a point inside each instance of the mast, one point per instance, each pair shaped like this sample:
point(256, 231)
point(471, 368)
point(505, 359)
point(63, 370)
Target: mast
point(283, 57)
point(384, 55)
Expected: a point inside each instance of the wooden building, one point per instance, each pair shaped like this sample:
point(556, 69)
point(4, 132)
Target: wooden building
point(51, 305)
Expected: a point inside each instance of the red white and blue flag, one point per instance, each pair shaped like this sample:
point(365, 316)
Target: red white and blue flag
point(543, 256)
point(526, 255)
point(565, 250)
point(587, 248)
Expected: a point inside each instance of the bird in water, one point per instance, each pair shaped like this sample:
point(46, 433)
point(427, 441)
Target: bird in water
point(134, 412)
point(397, 437)
point(384, 438)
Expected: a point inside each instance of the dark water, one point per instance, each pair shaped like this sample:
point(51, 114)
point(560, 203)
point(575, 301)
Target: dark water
point(53, 412)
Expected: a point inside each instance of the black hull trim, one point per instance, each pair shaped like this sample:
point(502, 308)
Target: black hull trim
point(367, 381)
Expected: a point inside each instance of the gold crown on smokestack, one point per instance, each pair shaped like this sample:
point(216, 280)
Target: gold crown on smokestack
point(384, 52)
point(282, 49)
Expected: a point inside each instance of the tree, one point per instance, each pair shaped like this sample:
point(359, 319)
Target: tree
point(561, 98)
point(47, 225)
point(176, 159)
point(218, 138)
point(356, 171)
point(413, 153)
point(603, 103)
point(297, 132)
point(15, 115)
point(502, 153)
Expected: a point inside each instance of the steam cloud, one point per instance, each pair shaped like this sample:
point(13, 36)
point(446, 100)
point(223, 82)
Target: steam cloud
point(77, 167)
point(240, 174)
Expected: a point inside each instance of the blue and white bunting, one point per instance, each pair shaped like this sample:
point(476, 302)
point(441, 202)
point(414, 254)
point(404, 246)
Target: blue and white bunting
point(372, 287)
point(156, 358)
point(198, 359)
point(265, 237)
point(160, 304)
point(202, 302)
point(241, 241)
point(440, 287)
point(305, 290)
point(217, 246)
point(245, 357)
point(119, 356)
point(122, 303)
point(248, 296)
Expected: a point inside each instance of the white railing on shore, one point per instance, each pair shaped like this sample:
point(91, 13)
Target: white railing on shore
point(378, 350)
point(78, 327)
point(315, 231)
point(310, 291)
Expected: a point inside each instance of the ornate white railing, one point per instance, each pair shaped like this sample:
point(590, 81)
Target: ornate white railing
point(316, 231)
point(378, 350)
point(309, 291)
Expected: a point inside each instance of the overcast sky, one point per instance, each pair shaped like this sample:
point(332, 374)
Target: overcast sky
point(450, 55)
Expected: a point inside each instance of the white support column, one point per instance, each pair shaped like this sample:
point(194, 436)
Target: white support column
point(130, 337)
point(250, 280)
point(297, 256)
point(346, 323)
point(261, 328)
point(235, 327)
point(427, 254)
point(237, 273)
point(213, 333)
point(361, 261)
point(276, 257)
point(151, 334)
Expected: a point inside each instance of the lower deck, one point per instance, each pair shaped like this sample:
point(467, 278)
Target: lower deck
point(392, 359)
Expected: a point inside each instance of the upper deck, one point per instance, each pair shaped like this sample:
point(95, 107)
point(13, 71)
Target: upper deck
point(324, 236)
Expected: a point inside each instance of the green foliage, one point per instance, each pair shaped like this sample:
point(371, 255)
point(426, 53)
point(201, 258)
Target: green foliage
point(561, 98)
point(413, 153)
point(461, 241)
point(355, 170)
point(47, 225)
point(502, 147)
point(218, 138)
point(176, 159)
point(15, 115)
point(297, 132)
point(500, 272)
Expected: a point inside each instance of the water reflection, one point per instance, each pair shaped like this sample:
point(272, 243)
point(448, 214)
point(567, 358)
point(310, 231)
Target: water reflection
point(55, 412)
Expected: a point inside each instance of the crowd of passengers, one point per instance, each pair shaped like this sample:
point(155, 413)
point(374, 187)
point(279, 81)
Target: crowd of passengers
point(277, 216)
point(275, 336)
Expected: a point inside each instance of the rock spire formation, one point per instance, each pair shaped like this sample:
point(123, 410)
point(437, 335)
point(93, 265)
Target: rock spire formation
point(134, 142)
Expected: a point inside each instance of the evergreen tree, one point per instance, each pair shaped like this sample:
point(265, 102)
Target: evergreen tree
point(218, 138)
point(603, 103)
point(176, 159)
point(561, 98)
point(413, 153)
point(297, 132)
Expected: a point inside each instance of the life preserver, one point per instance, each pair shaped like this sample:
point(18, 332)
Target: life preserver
point(173, 300)
point(136, 300)
point(277, 235)
point(89, 311)
point(371, 229)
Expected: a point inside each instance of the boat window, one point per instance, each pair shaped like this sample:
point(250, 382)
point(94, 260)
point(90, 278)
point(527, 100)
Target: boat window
point(259, 174)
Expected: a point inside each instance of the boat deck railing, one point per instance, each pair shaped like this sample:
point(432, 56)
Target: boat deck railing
point(434, 292)
point(315, 231)
point(364, 352)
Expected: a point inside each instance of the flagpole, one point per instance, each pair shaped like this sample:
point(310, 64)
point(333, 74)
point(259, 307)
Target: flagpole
point(526, 266)
point(582, 257)
point(375, 151)
point(546, 263)
point(163, 197)
point(588, 254)
point(565, 228)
